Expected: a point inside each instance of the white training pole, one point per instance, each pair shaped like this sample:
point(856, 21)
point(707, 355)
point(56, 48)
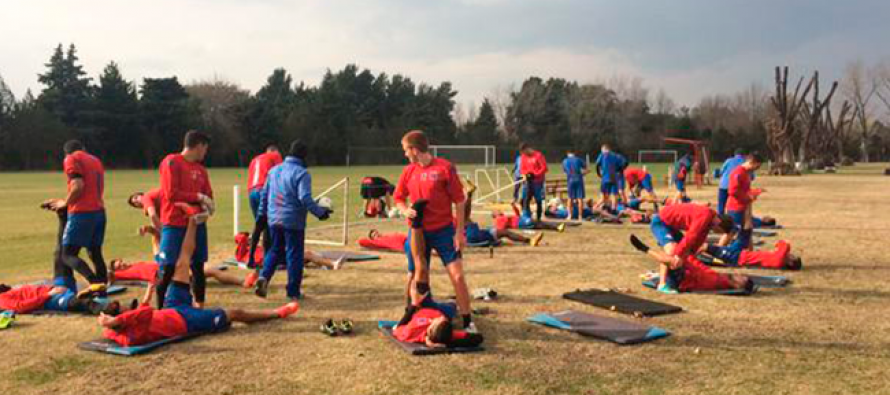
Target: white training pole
point(346, 214)
point(237, 205)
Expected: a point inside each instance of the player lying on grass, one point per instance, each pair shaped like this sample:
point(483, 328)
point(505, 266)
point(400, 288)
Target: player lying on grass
point(518, 220)
point(377, 193)
point(429, 323)
point(734, 255)
point(25, 299)
point(148, 271)
point(682, 229)
point(179, 318)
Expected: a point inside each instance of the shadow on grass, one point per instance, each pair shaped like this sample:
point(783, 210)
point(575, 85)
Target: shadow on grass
point(773, 344)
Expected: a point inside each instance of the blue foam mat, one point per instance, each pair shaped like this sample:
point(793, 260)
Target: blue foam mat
point(110, 347)
point(615, 330)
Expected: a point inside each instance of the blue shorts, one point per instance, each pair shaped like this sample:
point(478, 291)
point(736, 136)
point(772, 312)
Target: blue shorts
point(634, 204)
point(526, 222)
point(537, 191)
point(576, 189)
point(681, 185)
point(196, 320)
point(646, 182)
point(664, 234)
point(85, 229)
point(60, 301)
point(67, 282)
point(621, 182)
point(738, 218)
point(609, 188)
point(441, 240)
point(475, 235)
point(171, 243)
point(254, 199)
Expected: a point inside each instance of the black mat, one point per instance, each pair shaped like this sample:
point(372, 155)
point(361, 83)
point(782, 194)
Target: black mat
point(621, 303)
point(606, 328)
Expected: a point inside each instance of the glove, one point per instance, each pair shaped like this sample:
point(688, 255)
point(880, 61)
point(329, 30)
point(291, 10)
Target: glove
point(325, 214)
point(207, 203)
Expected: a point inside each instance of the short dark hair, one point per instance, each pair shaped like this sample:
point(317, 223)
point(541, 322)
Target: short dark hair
point(740, 151)
point(607, 146)
point(755, 157)
point(130, 199)
point(193, 138)
point(524, 146)
point(726, 223)
point(442, 333)
point(72, 146)
point(298, 149)
point(417, 139)
point(4, 288)
point(272, 146)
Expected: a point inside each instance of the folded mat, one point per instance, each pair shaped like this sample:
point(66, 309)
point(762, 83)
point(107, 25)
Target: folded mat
point(606, 328)
point(111, 347)
point(653, 283)
point(350, 256)
point(417, 348)
point(621, 303)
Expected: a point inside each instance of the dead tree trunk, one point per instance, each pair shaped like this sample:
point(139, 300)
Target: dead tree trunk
point(782, 128)
point(813, 115)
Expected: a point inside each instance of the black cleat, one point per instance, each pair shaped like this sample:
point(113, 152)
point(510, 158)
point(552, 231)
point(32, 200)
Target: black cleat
point(262, 287)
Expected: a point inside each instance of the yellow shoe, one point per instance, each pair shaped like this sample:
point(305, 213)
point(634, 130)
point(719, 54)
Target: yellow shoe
point(561, 228)
point(92, 290)
point(536, 239)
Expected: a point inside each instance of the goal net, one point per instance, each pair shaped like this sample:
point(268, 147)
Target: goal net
point(473, 155)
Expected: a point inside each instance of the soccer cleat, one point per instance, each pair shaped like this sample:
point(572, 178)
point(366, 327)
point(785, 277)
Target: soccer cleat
point(536, 239)
point(666, 289)
point(93, 290)
point(328, 328)
point(288, 310)
point(251, 279)
point(638, 244)
point(262, 287)
point(471, 328)
point(338, 264)
point(6, 319)
point(561, 228)
point(345, 327)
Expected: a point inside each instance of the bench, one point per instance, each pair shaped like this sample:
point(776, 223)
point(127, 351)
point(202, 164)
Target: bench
point(557, 188)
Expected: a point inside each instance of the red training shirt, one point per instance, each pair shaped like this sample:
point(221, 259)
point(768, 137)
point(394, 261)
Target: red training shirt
point(25, 299)
point(438, 183)
point(694, 220)
point(181, 181)
point(415, 330)
point(151, 199)
point(740, 196)
point(634, 175)
point(139, 271)
point(259, 169)
point(146, 325)
point(534, 164)
point(89, 169)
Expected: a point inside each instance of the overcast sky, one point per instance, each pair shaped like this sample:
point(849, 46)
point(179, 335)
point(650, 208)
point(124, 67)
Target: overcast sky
point(690, 48)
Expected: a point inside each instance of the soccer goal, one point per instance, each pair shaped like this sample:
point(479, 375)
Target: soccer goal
point(657, 156)
point(480, 155)
point(334, 232)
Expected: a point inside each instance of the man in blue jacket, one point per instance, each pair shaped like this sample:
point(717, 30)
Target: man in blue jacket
point(575, 169)
point(728, 166)
point(286, 199)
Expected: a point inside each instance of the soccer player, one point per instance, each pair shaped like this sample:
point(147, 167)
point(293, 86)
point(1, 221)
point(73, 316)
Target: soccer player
point(681, 229)
point(433, 184)
point(741, 197)
point(373, 189)
point(575, 169)
point(533, 166)
point(179, 317)
point(725, 171)
point(681, 170)
point(286, 201)
point(734, 255)
point(429, 323)
point(257, 173)
point(622, 165)
point(607, 167)
point(184, 180)
point(86, 214)
point(639, 179)
point(150, 203)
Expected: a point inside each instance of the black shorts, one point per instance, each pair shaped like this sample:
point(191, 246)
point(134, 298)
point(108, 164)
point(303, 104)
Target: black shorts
point(376, 187)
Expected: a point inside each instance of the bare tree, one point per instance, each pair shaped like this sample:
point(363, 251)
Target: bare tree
point(663, 104)
point(860, 87)
point(781, 128)
point(813, 118)
point(500, 98)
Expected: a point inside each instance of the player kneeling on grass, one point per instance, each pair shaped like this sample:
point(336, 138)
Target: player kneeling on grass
point(179, 318)
point(679, 268)
point(377, 193)
point(430, 323)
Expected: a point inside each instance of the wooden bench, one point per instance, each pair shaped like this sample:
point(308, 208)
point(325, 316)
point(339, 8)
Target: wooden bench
point(557, 188)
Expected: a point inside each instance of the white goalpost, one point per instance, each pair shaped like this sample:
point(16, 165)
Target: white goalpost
point(485, 155)
point(342, 186)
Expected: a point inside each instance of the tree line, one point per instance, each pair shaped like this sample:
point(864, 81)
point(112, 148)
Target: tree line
point(132, 125)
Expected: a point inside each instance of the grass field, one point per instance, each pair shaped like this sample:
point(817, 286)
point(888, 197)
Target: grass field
point(827, 333)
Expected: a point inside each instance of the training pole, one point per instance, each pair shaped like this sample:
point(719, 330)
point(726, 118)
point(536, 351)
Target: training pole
point(237, 205)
